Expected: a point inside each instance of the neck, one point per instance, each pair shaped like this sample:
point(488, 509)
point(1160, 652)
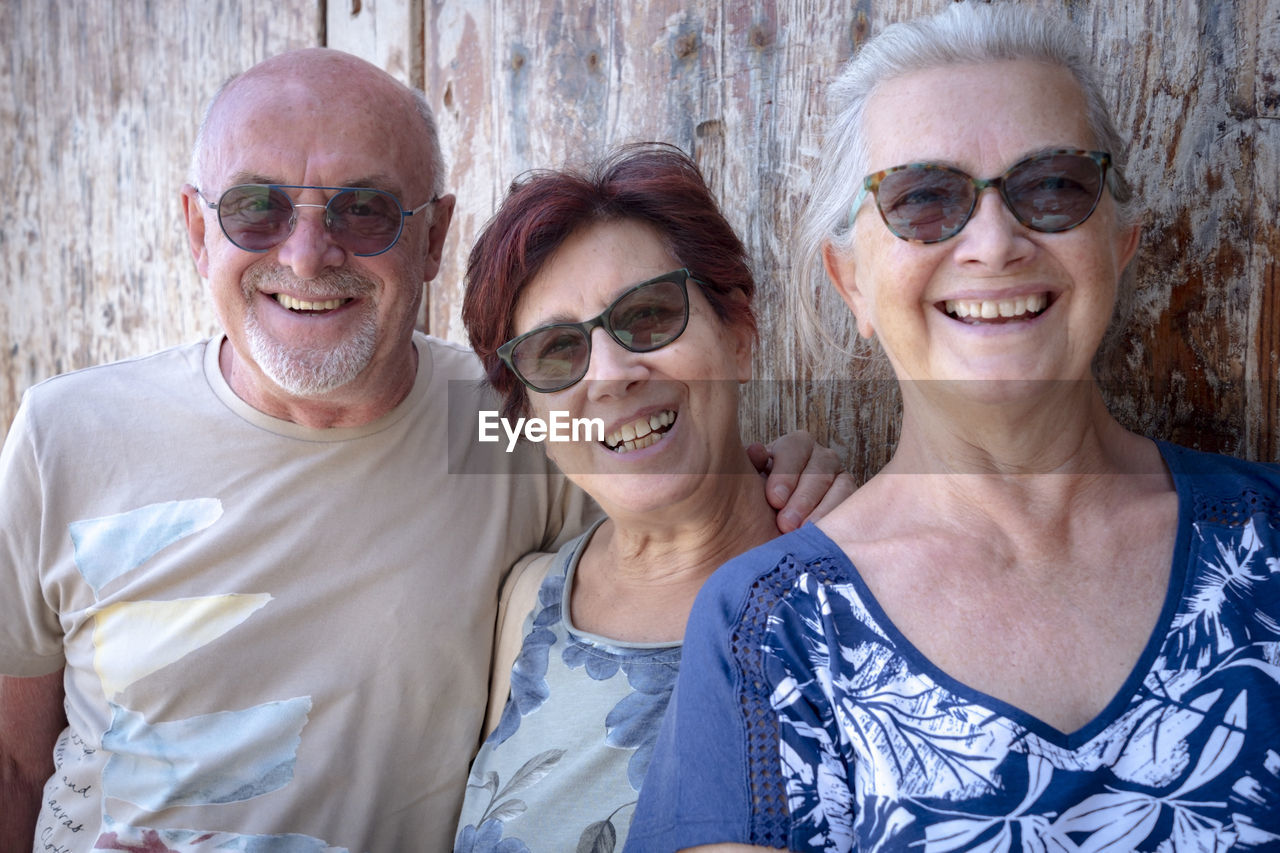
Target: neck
point(1027, 469)
point(728, 515)
point(352, 405)
point(1062, 428)
point(640, 573)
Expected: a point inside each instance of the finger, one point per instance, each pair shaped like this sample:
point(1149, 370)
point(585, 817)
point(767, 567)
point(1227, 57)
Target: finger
point(792, 456)
point(760, 457)
point(842, 488)
point(819, 477)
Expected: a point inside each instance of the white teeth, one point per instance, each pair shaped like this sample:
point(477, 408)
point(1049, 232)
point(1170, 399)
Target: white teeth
point(639, 444)
point(640, 433)
point(301, 305)
point(989, 309)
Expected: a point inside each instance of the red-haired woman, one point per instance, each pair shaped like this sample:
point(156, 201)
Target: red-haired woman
point(621, 294)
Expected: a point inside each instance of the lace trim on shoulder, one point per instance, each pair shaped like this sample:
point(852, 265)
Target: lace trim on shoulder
point(771, 819)
point(1237, 510)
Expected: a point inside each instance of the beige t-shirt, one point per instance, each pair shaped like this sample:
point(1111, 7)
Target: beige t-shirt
point(275, 638)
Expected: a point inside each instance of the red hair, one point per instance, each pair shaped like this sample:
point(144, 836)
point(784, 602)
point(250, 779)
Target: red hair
point(652, 183)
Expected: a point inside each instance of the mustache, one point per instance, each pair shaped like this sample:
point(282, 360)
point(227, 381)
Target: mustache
point(330, 284)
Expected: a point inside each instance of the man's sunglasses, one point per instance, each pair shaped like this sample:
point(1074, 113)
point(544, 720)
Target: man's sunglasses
point(363, 221)
point(646, 317)
point(928, 202)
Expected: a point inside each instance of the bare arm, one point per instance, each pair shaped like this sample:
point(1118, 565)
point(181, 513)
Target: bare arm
point(31, 717)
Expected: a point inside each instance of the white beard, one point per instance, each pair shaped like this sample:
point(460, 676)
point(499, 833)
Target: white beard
point(308, 371)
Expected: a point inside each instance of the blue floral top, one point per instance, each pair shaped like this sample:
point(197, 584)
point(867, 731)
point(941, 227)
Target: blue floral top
point(563, 769)
point(805, 719)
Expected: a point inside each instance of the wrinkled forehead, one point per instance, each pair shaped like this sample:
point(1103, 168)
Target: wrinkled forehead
point(318, 128)
point(978, 116)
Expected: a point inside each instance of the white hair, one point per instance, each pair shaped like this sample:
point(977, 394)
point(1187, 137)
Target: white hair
point(965, 33)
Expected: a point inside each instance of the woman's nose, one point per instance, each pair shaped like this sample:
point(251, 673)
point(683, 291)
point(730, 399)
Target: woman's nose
point(993, 236)
point(613, 369)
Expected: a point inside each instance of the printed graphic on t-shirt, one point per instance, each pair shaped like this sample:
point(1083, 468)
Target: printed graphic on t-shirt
point(225, 756)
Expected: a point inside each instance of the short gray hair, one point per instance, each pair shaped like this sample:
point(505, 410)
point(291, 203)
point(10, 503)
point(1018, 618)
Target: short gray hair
point(965, 33)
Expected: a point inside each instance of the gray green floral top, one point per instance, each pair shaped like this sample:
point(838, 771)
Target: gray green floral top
point(562, 770)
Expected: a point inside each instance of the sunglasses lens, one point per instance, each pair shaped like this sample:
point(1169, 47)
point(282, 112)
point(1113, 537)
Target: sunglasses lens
point(1054, 192)
point(645, 318)
point(925, 203)
point(255, 218)
point(650, 316)
point(552, 357)
point(365, 222)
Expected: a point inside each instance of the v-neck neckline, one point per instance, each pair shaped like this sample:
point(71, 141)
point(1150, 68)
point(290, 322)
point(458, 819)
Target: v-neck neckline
point(1124, 697)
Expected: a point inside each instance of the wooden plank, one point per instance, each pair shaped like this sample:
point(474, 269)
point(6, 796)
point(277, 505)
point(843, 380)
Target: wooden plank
point(99, 109)
point(388, 33)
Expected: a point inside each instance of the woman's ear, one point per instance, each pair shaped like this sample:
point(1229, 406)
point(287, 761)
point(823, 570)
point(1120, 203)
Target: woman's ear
point(1127, 243)
point(743, 340)
point(842, 272)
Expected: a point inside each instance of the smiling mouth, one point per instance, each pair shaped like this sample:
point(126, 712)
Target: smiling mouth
point(640, 433)
point(302, 306)
point(997, 310)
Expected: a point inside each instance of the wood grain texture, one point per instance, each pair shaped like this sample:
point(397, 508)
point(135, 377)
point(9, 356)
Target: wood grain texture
point(1194, 87)
point(99, 104)
point(95, 266)
point(388, 33)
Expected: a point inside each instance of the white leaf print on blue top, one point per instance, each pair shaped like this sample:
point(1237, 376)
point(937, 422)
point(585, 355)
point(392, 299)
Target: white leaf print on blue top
point(112, 545)
point(1192, 762)
point(224, 757)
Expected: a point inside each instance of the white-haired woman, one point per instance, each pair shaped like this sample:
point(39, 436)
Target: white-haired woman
point(1033, 629)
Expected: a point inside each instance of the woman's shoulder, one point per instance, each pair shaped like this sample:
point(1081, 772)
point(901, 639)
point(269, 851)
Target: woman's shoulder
point(769, 571)
point(1188, 461)
point(1216, 481)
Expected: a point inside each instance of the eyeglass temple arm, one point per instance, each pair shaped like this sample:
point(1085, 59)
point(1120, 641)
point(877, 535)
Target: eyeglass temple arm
point(857, 203)
point(420, 207)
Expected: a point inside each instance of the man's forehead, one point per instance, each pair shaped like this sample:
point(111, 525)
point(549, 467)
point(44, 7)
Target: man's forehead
point(283, 129)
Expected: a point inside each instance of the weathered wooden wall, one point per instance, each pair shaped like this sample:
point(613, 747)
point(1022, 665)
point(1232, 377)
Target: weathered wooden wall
point(99, 104)
point(98, 270)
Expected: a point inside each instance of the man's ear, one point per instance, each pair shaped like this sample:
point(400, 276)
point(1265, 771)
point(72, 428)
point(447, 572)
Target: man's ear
point(843, 274)
point(441, 216)
point(193, 215)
